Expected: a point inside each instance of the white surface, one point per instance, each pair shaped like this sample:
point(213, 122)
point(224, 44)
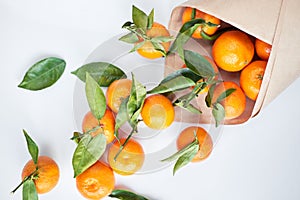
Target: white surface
point(256, 160)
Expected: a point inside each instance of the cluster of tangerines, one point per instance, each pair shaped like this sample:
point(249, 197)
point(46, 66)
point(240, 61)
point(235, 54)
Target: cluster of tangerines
point(127, 101)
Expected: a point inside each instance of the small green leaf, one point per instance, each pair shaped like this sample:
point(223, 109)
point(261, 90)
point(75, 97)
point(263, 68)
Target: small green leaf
point(29, 190)
point(209, 96)
point(181, 152)
point(88, 151)
point(136, 100)
point(161, 39)
point(137, 46)
point(225, 94)
point(198, 64)
point(127, 24)
point(95, 97)
point(43, 74)
point(32, 148)
point(122, 117)
point(139, 18)
point(130, 38)
point(218, 113)
point(171, 85)
point(104, 73)
point(186, 72)
point(193, 14)
point(150, 19)
point(185, 158)
point(126, 195)
point(159, 47)
point(189, 107)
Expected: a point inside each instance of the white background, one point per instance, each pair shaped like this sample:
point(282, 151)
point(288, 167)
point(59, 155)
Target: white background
point(255, 160)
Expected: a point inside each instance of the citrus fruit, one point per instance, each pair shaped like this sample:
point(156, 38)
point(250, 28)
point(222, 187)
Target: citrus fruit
point(48, 173)
point(192, 13)
point(262, 49)
point(251, 78)
point(187, 136)
point(116, 92)
point(106, 125)
point(233, 50)
point(131, 158)
point(147, 50)
point(158, 112)
point(96, 182)
point(235, 103)
point(216, 70)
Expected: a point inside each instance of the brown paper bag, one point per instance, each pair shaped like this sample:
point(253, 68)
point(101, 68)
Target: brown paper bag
point(275, 22)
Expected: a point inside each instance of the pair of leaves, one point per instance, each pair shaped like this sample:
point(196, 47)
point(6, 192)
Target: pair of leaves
point(102, 72)
point(87, 152)
point(184, 156)
point(29, 191)
point(126, 195)
point(218, 110)
point(43, 74)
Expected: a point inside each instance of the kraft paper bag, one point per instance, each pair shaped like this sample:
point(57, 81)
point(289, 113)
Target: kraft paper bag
point(275, 22)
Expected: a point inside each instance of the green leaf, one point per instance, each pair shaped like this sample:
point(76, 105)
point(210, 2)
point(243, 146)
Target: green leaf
point(32, 148)
point(126, 195)
point(189, 107)
point(43, 74)
point(186, 158)
point(181, 152)
point(95, 97)
point(209, 96)
point(225, 94)
point(218, 113)
point(104, 73)
point(173, 84)
point(130, 38)
point(150, 19)
point(29, 190)
point(139, 18)
point(185, 33)
point(127, 24)
point(159, 47)
point(161, 39)
point(186, 72)
point(137, 46)
point(198, 64)
point(88, 151)
point(122, 117)
point(136, 100)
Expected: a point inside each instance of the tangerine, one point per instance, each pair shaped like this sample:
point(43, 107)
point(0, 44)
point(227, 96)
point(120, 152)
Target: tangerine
point(116, 92)
point(263, 49)
point(106, 125)
point(147, 50)
point(96, 182)
point(187, 136)
point(251, 78)
point(158, 112)
point(235, 103)
point(131, 158)
point(193, 13)
point(233, 50)
point(48, 173)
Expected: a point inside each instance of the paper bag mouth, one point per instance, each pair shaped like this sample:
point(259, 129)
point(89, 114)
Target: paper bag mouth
point(266, 22)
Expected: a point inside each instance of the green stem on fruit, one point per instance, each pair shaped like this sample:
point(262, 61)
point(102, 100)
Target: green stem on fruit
point(33, 175)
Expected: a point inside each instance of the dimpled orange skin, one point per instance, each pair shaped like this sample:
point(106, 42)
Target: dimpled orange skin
point(251, 78)
point(158, 112)
point(232, 51)
point(147, 50)
point(96, 182)
point(107, 123)
point(235, 103)
point(116, 92)
point(48, 173)
point(187, 16)
point(263, 49)
point(187, 136)
point(130, 160)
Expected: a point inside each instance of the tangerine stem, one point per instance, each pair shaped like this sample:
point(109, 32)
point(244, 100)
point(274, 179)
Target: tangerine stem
point(31, 176)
